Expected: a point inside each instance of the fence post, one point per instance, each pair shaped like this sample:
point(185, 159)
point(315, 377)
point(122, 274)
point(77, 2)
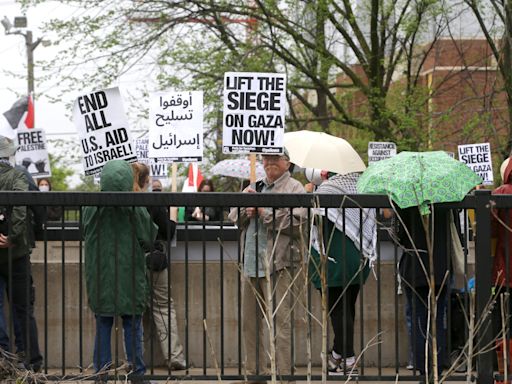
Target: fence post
point(483, 271)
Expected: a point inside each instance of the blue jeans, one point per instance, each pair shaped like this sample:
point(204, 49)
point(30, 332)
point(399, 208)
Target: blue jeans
point(418, 298)
point(132, 327)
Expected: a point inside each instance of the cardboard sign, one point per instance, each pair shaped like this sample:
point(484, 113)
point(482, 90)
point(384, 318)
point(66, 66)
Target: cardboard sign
point(380, 150)
point(103, 129)
point(158, 170)
point(254, 112)
point(32, 152)
point(478, 158)
point(176, 127)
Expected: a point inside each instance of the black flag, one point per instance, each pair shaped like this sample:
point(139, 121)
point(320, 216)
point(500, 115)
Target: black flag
point(16, 112)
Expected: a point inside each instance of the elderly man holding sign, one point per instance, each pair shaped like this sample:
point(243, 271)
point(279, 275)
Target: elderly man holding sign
point(270, 246)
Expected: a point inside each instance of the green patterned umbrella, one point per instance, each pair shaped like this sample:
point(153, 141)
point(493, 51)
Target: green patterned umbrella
point(419, 179)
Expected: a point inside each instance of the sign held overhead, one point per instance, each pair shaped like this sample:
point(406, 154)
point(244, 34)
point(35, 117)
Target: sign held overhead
point(176, 127)
point(254, 112)
point(478, 158)
point(103, 129)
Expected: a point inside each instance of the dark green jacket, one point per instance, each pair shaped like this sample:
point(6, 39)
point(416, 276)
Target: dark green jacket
point(13, 180)
point(345, 266)
point(115, 240)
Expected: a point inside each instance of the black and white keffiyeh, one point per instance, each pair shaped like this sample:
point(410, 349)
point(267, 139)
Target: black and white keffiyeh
point(346, 185)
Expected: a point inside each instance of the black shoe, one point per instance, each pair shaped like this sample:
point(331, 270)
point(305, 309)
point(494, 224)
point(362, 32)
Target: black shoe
point(140, 381)
point(177, 366)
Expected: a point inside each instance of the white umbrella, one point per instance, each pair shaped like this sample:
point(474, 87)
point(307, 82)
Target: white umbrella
point(309, 149)
point(240, 168)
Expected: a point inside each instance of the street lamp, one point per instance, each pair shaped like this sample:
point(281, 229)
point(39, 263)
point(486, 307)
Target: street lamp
point(20, 23)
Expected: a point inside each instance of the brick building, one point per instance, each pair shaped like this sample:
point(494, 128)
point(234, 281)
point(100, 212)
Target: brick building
point(466, 103)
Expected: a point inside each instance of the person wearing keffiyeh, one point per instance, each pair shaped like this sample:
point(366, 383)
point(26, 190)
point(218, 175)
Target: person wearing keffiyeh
point(349, 238)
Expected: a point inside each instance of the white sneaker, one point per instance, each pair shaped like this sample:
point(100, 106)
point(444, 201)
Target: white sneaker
point(342, 366)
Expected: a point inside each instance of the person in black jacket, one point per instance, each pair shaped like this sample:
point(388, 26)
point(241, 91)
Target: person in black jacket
point(415, 273)
point(53, 213)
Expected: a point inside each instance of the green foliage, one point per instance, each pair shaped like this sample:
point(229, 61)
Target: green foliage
point(60, 173)
point(189, 45)
point(87, 184)
point(342, 69)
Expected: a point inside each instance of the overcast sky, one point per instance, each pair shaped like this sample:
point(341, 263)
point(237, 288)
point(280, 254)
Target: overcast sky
point(54, 118)
point(51, 117)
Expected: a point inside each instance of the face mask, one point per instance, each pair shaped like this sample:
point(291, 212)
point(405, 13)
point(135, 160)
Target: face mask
point(44, 188)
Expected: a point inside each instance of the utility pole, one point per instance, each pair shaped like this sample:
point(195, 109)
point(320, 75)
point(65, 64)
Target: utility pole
point(30, 46)
point(20, 24)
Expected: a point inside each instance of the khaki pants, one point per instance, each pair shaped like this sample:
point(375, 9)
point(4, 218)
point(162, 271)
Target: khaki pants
point(166, 333)
point(253, 323)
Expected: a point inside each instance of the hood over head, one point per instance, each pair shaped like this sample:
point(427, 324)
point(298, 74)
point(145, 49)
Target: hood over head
point(505, 171)
point(116, 175)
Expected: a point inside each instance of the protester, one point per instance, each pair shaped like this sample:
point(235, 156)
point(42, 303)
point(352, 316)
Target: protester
point(260, 227)
point(501, 274)
point(210, 213)
point(116, 239)
point(53, 213)
point(35, 216)
point(415, 272)
point(15, 267)
point(346, 265)
point(161, 310)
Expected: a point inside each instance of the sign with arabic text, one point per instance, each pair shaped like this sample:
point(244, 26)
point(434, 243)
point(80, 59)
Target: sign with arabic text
point(254, 112)
point(478, 158)
point(103, 129)
point(176, 127)
point(158, 169)
point(32, 151)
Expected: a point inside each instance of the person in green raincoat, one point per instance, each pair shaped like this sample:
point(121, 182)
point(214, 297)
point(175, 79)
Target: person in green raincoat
point(115, 242)
point(347, 266)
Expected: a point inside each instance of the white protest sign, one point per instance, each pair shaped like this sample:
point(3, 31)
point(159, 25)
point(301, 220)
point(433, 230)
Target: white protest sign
point(478, 158)
point(32, 151)
point(158, 170)
point(380, 150)
point(176, 127)
point(103, 129)
point(254, 112)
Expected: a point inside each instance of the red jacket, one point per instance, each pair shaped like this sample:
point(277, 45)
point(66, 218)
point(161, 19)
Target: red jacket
point(502, 234)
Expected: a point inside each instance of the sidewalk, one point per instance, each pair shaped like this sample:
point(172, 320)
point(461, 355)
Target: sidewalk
point(371, 376)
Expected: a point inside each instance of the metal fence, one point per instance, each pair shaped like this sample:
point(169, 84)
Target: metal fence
point(204, 280)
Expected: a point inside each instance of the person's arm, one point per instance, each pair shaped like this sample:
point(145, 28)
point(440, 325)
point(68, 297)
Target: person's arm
point(19, 216)
point(243, 220)
point(146, 230)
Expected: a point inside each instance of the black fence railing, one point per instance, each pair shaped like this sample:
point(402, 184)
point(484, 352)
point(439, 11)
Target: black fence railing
point(204, 280)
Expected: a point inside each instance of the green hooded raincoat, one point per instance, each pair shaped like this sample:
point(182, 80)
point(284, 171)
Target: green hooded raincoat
point(115, 239)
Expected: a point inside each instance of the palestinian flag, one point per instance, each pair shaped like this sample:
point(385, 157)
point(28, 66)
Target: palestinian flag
point(21, 113)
